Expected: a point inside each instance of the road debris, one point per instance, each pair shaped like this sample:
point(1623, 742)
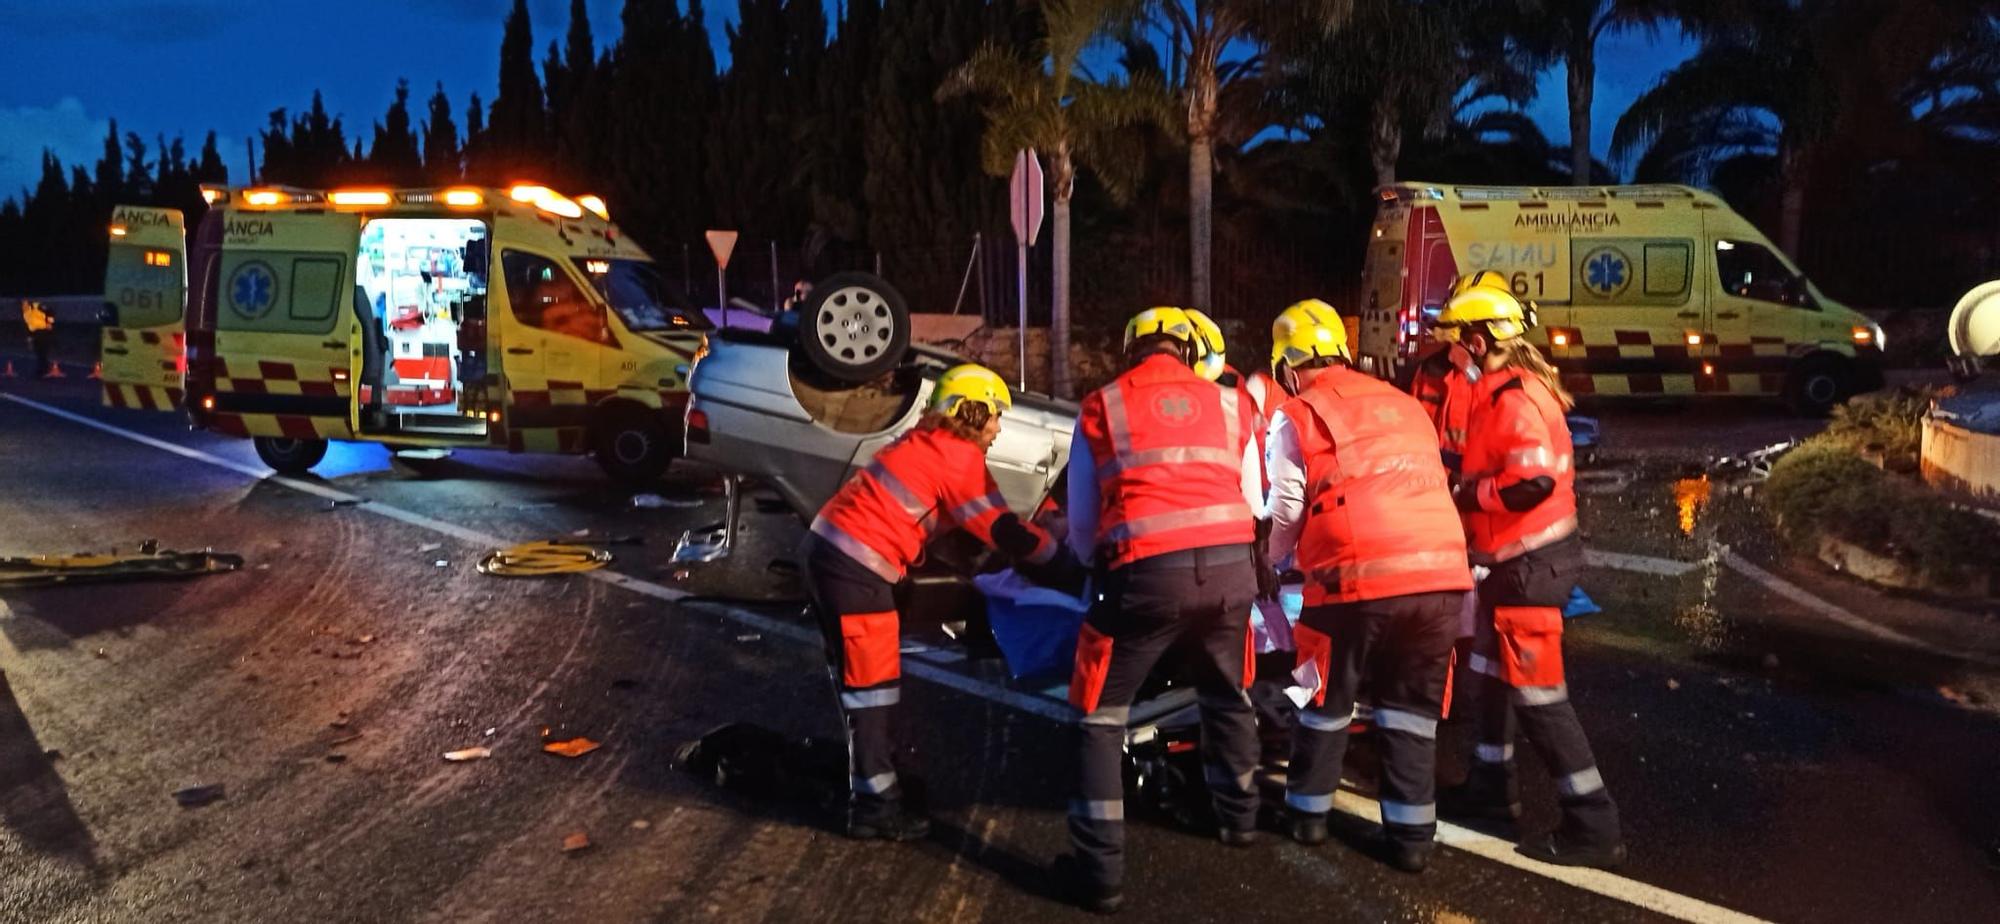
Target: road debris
point(656, 502)
point(573, 748)
point(641, 824)
point(576, 842)
point(343, 502)
point(46, 570)
point(750, 637)
point(1954, 696)
point(344, 739)
point(429, 547)
point(459, 757)
point(198, 796)
point(336, 758)
point(1673, 684)
point(543, 559)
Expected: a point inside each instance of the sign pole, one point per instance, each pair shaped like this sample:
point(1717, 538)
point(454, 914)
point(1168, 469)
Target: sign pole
point(1024, 190)
point(1021, 271)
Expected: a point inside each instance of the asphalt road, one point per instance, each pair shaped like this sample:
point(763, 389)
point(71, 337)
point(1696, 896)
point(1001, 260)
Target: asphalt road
point(1768, 762)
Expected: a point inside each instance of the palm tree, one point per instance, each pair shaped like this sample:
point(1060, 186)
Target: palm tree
point(1568, 31)
point(1202, 33)
point(1795, 82)
point(1402, 64)
point(1048, 100)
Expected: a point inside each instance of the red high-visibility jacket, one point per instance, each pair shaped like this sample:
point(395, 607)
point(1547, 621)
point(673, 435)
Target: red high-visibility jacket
point(1517, 434)
point(924, 482)
point(1379, 516)
point(1169, 453)
point(1445, 389)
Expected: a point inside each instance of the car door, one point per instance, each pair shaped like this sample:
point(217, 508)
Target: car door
point(284, 323)
point(1757, 307)
point(550, 350)
point(143, 341)
point(1635, 314)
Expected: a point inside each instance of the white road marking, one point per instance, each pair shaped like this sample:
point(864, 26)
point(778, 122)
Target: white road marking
point(1633, 892)
point(1610, 885)
point(1807, 599)
point(1643, 564)
point(1056, 711)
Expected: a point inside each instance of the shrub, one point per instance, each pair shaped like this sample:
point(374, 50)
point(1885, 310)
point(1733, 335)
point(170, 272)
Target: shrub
point(1892, 422)
point(1823, 488)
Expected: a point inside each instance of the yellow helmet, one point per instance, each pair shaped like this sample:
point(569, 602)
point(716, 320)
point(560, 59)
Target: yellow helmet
point(1173, 322)
point(1214, 353)
point(1482, 279)
point(970, 382)
point(1308, 330)
point(1503, 314)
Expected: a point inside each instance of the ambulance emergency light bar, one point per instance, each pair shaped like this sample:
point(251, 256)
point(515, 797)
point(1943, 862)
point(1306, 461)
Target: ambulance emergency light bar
point(457, 197)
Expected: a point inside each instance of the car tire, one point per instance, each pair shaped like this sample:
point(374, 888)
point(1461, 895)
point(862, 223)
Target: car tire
point(854, 327)
point(289, 456)
point(632, 446)
point(1817, 384)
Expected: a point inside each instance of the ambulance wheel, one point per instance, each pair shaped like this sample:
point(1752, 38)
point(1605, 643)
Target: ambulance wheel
point(1817, 384)
point(631, 446)
point(854, 326)
point(289, 456)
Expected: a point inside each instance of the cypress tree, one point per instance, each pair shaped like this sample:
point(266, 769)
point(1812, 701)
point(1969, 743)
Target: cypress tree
point(517, 132)
point(211, 168)
point(442, 162)
point(394, 154)
point(111, 168)
point(831, 150)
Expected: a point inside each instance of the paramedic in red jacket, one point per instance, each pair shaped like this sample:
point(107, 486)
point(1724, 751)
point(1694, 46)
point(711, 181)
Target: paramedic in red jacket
point(863, 543)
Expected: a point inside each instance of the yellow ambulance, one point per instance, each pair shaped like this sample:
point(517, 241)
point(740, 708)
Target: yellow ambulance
point(426, 319)
point(1641, 291)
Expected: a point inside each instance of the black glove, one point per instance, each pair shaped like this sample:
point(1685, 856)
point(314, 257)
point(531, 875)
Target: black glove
point(1061, 572)
point(1014, 538)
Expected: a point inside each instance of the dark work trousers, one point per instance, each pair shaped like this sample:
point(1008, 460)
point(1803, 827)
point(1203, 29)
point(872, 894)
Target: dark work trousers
point(44, 344)
point(1402, 647)
point(1543, 714)
point(843, 589)
point(1202, 596)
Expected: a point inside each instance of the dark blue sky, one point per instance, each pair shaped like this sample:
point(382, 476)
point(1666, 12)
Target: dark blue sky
point(188, 66)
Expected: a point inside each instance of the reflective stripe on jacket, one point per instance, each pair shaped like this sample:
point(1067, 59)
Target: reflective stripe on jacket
point(1379, 517)
point(1169, 451)
point(926, 481)
point(1517, 434)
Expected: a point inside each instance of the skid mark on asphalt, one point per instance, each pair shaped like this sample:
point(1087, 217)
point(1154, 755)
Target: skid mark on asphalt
point(1639, 894)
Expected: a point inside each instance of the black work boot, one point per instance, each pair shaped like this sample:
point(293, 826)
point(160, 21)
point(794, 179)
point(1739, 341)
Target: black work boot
point(1080, 889)
point(1408, 856)
point(888, 821)
point(1565, 850)
point(1308, 828)
point(1488, 794)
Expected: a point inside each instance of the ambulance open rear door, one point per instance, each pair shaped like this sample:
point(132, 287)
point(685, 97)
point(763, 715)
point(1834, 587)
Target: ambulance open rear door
point(143, 344)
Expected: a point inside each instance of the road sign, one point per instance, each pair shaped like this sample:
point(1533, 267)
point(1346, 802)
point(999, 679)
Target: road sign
point(1025, 197)
point(721, 243)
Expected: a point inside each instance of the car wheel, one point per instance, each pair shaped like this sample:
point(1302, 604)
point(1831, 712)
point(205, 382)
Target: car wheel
point(632, 447)
point(289, 456)
point(1817, 384)
point(854, 327)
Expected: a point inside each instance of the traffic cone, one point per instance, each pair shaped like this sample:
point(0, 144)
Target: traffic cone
point(55, 371)
point(97, 371)
point(8, 373)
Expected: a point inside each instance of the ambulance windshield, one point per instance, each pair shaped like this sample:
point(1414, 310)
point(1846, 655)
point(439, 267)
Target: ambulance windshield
point(643, 300)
